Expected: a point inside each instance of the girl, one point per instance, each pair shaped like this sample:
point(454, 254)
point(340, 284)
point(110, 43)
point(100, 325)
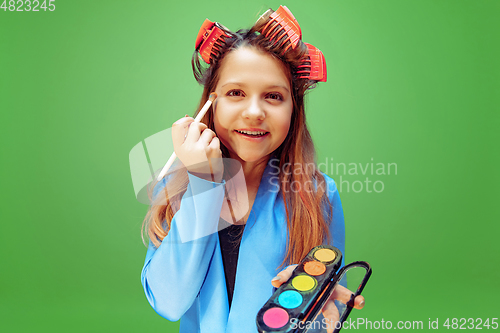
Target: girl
point(216, 278)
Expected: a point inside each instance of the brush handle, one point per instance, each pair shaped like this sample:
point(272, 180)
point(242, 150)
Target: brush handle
point(202, 112)
point(167, 166)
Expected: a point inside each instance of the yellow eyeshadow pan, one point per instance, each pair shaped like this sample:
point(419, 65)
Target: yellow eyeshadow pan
point(324, 255)
point(303, 282)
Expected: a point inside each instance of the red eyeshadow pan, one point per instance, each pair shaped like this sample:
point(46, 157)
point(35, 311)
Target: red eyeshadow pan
point(275, 317)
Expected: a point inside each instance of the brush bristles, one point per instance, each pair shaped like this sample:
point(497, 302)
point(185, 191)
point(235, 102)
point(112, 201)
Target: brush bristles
point(212, 97)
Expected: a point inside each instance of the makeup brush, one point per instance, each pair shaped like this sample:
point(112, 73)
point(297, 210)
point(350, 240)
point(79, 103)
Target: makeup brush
point(200, 115)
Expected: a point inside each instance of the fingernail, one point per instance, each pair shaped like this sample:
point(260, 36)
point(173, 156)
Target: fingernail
point(362, 303)
point(276, 278)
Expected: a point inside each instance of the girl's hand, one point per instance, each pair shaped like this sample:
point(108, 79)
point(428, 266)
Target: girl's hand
point(330, 311)
point(198, 148)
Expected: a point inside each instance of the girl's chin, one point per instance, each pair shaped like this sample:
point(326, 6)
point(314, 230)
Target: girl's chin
point(250, 157)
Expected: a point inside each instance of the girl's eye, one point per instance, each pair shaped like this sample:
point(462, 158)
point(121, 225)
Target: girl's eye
point(235, 93)
point(276, 96)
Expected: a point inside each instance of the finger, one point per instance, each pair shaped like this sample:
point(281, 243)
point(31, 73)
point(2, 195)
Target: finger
point(359, 302)
point(215, 154)
point(215, 159)
point(331, 314)
point(215, 144)
point(283, 276)
point(206, 136)
point(185, 118)
point(179, 129)
point(194, 131)
point(344, 295)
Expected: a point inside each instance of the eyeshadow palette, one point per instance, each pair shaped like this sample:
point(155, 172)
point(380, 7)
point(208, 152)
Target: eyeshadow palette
point(303, 296)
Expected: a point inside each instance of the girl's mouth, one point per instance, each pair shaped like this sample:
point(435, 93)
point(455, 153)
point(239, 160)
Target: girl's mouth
point(252, 134)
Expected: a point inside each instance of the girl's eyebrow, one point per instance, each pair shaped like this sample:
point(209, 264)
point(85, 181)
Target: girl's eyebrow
point(278, 86)
point(267, 87)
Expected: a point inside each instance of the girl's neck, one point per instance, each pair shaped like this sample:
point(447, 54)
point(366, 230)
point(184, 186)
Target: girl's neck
point(253, 171)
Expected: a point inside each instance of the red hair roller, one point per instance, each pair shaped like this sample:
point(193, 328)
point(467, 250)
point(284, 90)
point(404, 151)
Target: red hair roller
point(287, 25)
point(210, 39)
point(314, 65)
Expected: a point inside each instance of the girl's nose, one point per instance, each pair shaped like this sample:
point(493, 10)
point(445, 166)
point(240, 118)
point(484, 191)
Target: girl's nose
point(254, 110)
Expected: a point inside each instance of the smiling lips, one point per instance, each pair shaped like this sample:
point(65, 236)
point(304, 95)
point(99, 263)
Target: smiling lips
point(252, 133)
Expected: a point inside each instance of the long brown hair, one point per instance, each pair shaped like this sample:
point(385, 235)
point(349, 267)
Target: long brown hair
point(308, 209)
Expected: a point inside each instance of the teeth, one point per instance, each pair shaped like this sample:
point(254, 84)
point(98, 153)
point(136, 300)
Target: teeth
point(251, 132)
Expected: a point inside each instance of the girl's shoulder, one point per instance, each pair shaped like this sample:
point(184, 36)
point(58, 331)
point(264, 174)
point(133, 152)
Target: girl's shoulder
point(329, 185)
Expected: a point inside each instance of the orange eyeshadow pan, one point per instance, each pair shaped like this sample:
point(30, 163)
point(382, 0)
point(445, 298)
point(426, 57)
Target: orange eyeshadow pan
point(314, 268)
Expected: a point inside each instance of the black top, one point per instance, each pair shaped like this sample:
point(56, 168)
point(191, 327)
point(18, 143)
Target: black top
point(230, 238)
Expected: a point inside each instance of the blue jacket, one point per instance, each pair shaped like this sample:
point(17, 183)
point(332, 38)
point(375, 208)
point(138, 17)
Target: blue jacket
point(185, 279)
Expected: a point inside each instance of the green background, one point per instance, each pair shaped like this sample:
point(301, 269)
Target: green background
point(410, 82)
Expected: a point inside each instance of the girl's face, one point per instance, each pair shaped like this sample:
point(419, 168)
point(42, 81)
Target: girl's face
point(254, 104)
